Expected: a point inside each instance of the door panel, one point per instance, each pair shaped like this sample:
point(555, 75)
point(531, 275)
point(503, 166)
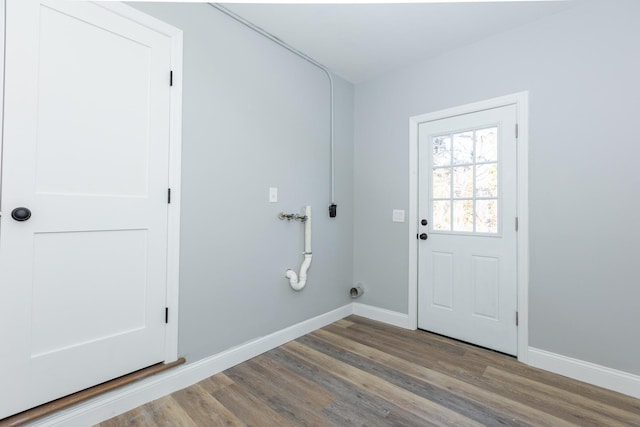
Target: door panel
point(467, 268)
point(86, 148)
point(88, 258)
point(485, 286)
point(79, 126)
point(442, 280)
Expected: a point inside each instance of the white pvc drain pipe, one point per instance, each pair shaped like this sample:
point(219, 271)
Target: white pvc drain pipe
point(296, 281)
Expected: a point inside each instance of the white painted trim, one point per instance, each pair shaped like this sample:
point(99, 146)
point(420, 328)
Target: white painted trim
point(175, 183)
point(612, 379)
point(2, 36)
point(122, 400)
point(382, 315)
point(521, 100)
point(337, 1)
point(522, 104)
point(175, 155)
point(413, 222)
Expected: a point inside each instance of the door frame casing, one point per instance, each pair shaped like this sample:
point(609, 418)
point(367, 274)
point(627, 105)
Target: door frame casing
point(3, 30)
point(175, 37)
point(521, 101)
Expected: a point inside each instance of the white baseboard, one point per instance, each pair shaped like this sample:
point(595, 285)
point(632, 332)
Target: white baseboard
point(382, 315)
point(612, 379)
point(122, 400)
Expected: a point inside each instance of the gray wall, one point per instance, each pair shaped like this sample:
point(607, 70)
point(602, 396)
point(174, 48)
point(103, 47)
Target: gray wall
point(582, 68)
point(255, 116)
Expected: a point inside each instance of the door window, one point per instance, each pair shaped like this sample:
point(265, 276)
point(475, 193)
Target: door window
point(465, 181)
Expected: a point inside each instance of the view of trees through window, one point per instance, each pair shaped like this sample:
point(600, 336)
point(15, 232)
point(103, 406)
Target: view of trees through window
point(465, 181)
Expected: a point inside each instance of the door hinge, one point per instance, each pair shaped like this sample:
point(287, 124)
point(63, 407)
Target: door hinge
point(516, 223)
point(166, 315)
point(517, 320)
point(168, 195)
point(171, 78)
point(517, 131)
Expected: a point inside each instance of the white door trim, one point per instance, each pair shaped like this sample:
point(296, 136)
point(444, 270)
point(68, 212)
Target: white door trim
point(2, 42)
point(521, 100)
point(175, 162)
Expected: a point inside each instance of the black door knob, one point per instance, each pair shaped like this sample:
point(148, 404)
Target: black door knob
point(423, 236)
point(21, 214)
point(424, 222)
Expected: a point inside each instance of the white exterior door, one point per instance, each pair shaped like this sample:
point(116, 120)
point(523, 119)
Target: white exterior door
point(467, 266)
point(86, 150)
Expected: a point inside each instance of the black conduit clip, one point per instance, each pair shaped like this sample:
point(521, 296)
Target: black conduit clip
point(333, 210)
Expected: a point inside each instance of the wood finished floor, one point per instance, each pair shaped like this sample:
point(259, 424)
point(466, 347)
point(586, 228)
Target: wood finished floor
point(357, 372)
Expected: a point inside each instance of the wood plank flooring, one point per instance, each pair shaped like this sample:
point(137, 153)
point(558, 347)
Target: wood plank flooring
point(357, 372)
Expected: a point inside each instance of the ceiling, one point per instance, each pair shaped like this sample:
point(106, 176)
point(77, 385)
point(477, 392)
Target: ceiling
point(362, 41)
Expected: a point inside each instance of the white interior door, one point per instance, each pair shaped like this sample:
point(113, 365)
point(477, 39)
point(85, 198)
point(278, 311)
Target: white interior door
point(467, 266)
point(86, 148)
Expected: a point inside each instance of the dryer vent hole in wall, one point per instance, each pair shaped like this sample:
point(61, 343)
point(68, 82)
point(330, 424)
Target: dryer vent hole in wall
point(356, 291)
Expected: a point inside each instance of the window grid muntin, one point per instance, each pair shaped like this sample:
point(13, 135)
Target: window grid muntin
point(451, 199)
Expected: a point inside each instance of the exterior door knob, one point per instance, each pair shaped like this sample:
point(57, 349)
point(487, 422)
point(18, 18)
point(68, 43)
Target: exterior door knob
point(423, 236)
point(21, 214)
